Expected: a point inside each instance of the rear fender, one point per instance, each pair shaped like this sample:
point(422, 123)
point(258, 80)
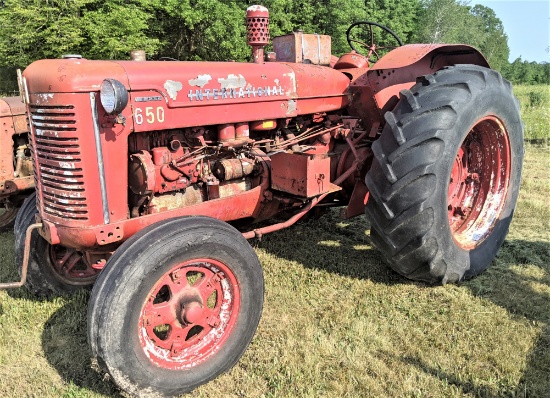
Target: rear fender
point(377, 91)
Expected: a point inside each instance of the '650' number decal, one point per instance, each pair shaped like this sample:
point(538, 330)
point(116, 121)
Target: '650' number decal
point(150, 115)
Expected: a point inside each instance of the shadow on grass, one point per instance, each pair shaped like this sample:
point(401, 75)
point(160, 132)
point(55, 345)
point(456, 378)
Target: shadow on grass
point(343, 245)
point(518, 281)
point(65, 346)
point(506, 286)
point(346, 250)
point(8, 269)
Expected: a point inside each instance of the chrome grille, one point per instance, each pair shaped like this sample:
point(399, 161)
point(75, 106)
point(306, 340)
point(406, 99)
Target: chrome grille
point(57, 150)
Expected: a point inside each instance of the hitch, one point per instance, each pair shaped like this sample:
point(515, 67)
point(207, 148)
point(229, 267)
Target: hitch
point(25, 266)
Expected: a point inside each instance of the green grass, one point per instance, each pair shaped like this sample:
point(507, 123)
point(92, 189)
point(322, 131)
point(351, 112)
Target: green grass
point(535, 111)
point(336, 321)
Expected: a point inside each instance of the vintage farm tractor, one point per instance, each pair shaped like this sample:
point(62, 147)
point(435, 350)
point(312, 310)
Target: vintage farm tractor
point(145, 170)
point(16, 176)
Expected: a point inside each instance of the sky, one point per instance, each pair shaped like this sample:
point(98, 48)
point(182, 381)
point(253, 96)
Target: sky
point(527, 25)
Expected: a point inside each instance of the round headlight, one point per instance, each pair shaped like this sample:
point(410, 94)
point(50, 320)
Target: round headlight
point(113, 96)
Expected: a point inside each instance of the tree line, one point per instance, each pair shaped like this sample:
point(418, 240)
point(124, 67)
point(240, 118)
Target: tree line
point(215, 30)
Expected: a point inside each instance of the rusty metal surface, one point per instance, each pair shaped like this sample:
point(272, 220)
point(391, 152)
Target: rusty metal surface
point(231, 208)
point(302, 175)
point(21, 124)
point(257, 233)
point(352, 60)
point(6, 148)
point(75, 168)
point(257, 31)
point(299, 47)
point(26, 253)
point(65, 159)
point(229, 91)
point(13, 122)
point(409, 54)
point(17, 185)
point(230, 169)
point(12, 106)
point(358, 201)
point(49, 76)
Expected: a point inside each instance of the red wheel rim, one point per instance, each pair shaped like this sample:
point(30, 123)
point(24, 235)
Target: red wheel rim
point(189, 314)
point(71, 266)
point(479, 182)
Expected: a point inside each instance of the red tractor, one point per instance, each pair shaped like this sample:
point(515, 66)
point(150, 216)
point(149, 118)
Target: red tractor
point(16, 176)
point(145, 170)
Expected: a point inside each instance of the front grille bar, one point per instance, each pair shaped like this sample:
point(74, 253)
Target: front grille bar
point(100, 165)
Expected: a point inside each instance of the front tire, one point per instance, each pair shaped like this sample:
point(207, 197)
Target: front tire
point(446, 175)
point(52, 270)
point(177, 305)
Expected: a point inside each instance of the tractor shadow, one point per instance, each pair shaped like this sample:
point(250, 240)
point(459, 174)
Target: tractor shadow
point(329, 243)
point(523, 296)
point(344, 248)
point(518, 281)
point(8, 269)
point(65, 346)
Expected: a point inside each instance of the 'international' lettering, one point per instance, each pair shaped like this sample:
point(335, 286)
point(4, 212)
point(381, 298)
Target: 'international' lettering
point(232, 93)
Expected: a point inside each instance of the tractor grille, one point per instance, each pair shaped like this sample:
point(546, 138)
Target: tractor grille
point(57, 150)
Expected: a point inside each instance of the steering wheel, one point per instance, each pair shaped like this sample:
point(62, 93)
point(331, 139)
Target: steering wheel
point(372, 48)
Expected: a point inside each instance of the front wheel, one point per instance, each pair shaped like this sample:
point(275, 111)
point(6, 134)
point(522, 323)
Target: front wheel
point(177, 305)
point(53, 270)
point(446, 175)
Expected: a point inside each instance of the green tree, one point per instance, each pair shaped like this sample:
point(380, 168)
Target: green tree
point(448, 21)
point(495, 43)
point(199, 30)
point(525, 72)
point(33, 29)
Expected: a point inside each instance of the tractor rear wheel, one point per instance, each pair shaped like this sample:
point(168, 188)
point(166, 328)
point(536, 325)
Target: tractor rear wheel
point(446, 174)
point(177, 305)
point(53, 270)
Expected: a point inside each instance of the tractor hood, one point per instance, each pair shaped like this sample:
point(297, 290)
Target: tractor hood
point(191, 84)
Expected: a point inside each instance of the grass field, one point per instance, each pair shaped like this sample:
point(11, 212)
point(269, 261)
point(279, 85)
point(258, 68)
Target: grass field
point(535, 111)
point(336, 321)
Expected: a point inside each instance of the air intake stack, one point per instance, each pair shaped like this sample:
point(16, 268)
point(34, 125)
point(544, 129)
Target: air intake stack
point(257, 31)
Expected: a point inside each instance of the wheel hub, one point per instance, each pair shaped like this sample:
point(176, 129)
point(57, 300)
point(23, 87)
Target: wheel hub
point(189, 313)
point(192, 313)
point(71, 266)
point(478, 183)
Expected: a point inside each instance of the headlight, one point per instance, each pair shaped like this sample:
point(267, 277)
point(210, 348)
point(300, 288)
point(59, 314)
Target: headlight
point(113, 96)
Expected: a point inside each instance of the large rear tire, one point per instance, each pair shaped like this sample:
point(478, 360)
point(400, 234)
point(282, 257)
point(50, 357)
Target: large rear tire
point(446, 174)
point(52, 270)
point(177, 305)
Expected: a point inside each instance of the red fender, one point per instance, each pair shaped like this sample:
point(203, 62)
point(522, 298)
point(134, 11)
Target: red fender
point(377, 91)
